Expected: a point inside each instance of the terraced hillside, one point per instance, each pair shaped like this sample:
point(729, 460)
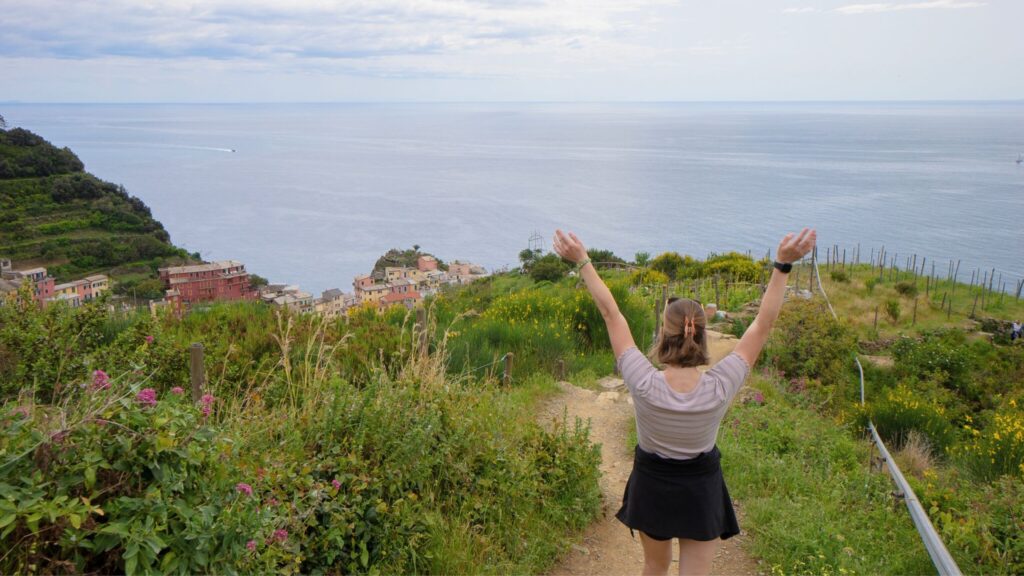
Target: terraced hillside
point(54, 214)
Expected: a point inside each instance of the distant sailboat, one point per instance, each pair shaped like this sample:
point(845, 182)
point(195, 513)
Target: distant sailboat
point(1020, 158)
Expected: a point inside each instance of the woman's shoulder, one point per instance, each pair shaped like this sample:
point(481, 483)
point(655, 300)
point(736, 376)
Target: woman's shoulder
point(636, 369)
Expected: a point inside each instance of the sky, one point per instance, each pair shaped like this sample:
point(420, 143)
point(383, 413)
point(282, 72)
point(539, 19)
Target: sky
point(509, 50)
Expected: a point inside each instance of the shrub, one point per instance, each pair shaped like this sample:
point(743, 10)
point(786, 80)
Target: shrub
point(998, 448)
point(549, 268)
point(647, 277)
point(870, 283)
point(807, 341)
point(906, 288)
point(668, 263)
point(941, 356)
point(892, 310)
point(840, 276)
point(733, 265)
point(901, 411)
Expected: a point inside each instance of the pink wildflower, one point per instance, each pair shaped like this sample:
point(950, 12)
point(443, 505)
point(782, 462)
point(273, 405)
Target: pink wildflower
point(336, 483)
point(244, 488)
point(251, 545)
point(280, 535)
point(22, 411)
point(149, 339)
point(146, 397)
point(178, 390)
point(759, 397)
point(207, 401)
point(100, 380)
point(273, 502)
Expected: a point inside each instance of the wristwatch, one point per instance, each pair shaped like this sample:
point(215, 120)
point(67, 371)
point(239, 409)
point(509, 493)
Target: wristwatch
point(784, 268)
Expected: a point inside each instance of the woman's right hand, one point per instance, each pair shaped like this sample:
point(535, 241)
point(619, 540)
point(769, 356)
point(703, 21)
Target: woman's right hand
point(795, 246)
point(568, 246)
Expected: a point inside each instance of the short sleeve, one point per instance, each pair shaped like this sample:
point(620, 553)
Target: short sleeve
point(731, 372)
point(636, 371)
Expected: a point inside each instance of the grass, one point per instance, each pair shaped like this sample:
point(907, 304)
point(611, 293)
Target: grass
point(856, 301)
point(808, 499)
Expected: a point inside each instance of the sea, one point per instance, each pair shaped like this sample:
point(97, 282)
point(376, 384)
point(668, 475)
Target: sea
point(313, 194)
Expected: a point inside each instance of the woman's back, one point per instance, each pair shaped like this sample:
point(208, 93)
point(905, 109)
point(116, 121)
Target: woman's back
point(680, 425)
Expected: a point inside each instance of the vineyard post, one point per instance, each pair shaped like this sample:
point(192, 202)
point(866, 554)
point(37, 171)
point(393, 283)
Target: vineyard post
point(507, 376)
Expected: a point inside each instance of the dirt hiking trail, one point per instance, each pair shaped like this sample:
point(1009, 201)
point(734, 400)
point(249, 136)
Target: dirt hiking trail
point(607, 547)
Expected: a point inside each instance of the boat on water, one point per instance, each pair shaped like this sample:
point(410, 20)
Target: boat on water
point(1020, 158)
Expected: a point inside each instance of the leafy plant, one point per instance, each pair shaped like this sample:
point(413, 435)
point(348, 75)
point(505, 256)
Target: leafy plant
point(906, 288)
point(892, 310)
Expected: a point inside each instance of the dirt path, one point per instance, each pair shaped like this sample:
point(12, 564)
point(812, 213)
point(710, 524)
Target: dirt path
point(607, 547)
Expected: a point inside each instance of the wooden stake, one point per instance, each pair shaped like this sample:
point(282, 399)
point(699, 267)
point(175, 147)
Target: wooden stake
point(507, 377)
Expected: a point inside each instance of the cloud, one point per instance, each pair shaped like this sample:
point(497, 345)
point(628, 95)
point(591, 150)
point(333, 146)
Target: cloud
point(300, 29)
point(878, 7)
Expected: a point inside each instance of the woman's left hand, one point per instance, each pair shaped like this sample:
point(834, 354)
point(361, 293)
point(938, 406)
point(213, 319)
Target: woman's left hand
point(568, 246)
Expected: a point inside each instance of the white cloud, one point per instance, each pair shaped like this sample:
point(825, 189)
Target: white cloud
point(877, 7)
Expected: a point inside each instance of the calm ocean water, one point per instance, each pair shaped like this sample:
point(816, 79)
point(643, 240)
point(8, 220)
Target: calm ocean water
point(313, 194)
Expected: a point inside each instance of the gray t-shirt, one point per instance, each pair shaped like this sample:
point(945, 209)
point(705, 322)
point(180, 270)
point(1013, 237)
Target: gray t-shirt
point(680, 425)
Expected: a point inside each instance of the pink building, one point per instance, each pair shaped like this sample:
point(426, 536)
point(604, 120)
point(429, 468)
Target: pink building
point(42, 283)
point(426, 263)
point(226, 280)
point(408, 300)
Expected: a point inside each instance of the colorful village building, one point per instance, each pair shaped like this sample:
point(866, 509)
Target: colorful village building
point(192, 284)
point(44, 287)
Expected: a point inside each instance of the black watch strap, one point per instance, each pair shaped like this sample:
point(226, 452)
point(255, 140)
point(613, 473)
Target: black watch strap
point(784, 268)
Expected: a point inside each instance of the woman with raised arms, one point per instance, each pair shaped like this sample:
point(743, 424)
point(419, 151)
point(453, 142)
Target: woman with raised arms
point(676, 488)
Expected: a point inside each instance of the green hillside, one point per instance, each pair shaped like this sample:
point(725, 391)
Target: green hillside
point(54, 214)
point(341, 446)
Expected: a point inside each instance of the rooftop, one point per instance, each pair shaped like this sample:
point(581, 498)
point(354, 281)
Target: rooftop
point(211, 267)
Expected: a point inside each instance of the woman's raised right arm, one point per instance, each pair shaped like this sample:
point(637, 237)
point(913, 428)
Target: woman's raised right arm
point(792, 248)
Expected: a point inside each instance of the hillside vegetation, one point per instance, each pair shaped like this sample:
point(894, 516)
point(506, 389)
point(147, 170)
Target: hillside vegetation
point(54, 214)
point(373, 444)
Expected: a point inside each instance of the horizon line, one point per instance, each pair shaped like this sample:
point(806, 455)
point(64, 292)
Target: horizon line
point(389, 102)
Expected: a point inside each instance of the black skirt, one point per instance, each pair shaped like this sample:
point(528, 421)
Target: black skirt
point(668, 498)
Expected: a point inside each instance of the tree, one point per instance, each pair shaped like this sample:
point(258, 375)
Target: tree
point(3, 123)
point(551, 268)
point(528, 258)
point(604, 257)
point(669, 263)
point(642, 258)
